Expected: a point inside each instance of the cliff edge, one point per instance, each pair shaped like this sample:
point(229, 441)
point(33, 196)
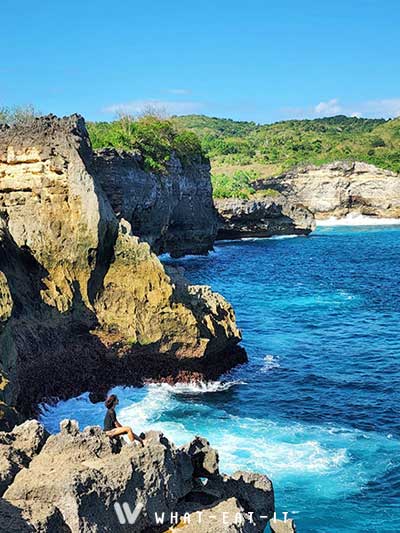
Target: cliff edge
point(339, 189)
point(173, 211)
point(262, 217)
point(83, 302)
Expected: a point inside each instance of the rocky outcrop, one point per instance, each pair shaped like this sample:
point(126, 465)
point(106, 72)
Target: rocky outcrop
point(84, 304)
point(85, 482)
point(283, 526)
point(17, 449)
point(339, 189)
point(262, 218)
point(173, 212)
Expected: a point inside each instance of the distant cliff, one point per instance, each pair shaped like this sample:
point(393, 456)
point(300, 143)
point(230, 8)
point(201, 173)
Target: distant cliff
point(341, 188)
point(84, 303)
point(173, 211)
point(262, 217)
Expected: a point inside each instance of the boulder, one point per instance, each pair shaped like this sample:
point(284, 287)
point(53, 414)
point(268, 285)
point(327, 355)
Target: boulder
point(282, 526)
point(204, 458)
point(18, 448)
point(254, 492)
point(225, 516)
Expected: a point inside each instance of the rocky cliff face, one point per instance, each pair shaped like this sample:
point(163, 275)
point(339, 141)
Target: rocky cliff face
point(340, 188)
point(173, 212)
point(84, 482)
point(262, 218)
point(83, 302)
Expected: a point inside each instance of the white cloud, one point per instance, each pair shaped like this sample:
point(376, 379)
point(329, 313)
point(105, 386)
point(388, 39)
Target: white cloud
point(169, 106)
point(380, 108)
point(331, 107)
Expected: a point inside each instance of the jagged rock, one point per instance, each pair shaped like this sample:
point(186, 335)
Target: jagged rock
point(83, 302)
point(173, 212)
point(254, 492)
point(11, 520)
point(340, 188)
point(262, 217)
point(78, 477)
point(226, 516)
point(82, 477)
point(18, 448)
point(204, 458)
point(282, 526)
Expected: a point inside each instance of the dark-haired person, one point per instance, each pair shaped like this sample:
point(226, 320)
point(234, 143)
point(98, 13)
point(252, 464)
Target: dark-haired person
point(111, 425)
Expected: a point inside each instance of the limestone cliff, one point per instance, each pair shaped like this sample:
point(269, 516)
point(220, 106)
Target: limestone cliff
point(340, 188)
point(83, 481)
point(173, 212)
point(82, 301)
point(262, 217)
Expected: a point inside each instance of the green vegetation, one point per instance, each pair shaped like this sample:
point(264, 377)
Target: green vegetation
point(275, 148)
point(236, 186)
point(241, 152)
point(153, 137)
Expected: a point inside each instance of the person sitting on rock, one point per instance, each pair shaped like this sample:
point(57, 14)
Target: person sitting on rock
point(111, 425)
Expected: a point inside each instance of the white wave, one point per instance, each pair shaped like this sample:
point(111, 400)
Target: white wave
point(198, 387)
point(254, 239)
point(278, 237)
point(270, 362)
point(287, 451)
point(357, 220)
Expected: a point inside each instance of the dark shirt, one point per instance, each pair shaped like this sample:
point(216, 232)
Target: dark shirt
point(109, 420)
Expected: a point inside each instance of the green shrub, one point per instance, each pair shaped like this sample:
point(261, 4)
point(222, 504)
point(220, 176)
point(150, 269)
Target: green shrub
point(153, 137)
point(236, 186)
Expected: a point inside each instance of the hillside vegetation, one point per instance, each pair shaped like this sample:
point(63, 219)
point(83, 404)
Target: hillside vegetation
point(153, 137)
point(241, 151)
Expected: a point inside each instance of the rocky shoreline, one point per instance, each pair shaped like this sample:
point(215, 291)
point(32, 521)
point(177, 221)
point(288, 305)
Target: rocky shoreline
point(79, 482)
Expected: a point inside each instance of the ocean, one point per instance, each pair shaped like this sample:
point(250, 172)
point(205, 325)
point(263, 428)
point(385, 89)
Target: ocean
point(317, 406)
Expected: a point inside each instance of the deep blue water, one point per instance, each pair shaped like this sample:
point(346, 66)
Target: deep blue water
point(317, 406)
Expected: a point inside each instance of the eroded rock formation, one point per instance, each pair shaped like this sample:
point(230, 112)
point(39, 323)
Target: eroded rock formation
point(262, 218)
point(83, 302)
point(173, 212)
point(76, 479)
point(340, 188)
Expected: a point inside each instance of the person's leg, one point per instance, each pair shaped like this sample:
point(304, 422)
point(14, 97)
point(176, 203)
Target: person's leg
point(125, 430)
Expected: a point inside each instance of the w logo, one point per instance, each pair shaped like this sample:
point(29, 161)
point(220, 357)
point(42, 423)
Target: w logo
point(125, 514)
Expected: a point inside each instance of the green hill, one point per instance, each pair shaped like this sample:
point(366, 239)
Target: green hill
point(239, 149)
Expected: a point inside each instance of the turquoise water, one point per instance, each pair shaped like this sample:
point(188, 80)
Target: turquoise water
point(317, 406)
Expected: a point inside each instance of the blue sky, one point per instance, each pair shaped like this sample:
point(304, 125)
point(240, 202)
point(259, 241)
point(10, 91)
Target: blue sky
point(255, 60)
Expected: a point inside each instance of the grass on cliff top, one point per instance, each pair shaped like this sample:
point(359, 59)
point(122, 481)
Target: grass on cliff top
point(271, 149)
point(239, 185)
point(153, 137)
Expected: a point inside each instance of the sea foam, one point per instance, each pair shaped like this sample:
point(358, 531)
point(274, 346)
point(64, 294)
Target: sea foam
point(358, 220)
